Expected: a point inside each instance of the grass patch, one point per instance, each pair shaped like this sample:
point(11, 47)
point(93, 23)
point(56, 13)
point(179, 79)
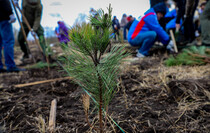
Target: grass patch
point(42, 65)
point(190, 56)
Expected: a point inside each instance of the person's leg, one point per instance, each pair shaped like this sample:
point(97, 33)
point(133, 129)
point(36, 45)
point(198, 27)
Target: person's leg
point(148, 42)
point(40, 33)
point(205, 25)
point(188, 29)
point(192, 32)
point(145, 40)
point(1, 65)
point(21, 40)
point(125, 33)
point(115, 34)
point(118, 35)
point(8, 44)
point(189, 25)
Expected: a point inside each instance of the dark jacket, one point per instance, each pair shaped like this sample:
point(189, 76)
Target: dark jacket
point(115, 24)
point(5, 10)
point(181, 10)
point(129, 24)
point(33, 13)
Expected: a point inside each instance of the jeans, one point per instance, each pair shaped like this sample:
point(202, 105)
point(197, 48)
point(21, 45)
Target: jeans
point(116, 33)
point(124, 33)
point(7, 43)
point(145, 41)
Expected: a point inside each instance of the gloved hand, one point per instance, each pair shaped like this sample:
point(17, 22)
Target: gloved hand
point(170, 46)
point(16, 2)
point(12, 18)
point(33, 33)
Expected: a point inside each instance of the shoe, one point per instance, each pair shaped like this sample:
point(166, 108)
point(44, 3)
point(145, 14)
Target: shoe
point(3, 70)
point(25, 56)
point(139, 55)
point(137, 50)
point(15, 69)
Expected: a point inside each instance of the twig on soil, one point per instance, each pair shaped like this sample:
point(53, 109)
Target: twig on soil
point(8, 114)
point(111, 124)
point(180, 116)
point(163, 79)
point(124, 94)
point(52, 118)
point(40, 82)
point(86, 105)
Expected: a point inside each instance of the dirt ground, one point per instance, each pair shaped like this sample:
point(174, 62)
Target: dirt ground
point(151, 98)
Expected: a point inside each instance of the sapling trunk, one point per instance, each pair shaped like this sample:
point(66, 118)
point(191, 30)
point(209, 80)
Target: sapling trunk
point(101, 103)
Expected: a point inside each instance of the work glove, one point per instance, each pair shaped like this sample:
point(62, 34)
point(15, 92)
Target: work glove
point(16, 2)
point(33, 33)
point(170, 46)
point(12, 18)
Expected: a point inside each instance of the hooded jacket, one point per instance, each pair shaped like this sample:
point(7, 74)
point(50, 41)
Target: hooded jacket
point(5, 10)
point(32, 10)
point(149, 22)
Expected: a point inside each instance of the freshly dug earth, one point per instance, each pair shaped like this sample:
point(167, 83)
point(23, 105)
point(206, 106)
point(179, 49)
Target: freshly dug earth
point(151, 98)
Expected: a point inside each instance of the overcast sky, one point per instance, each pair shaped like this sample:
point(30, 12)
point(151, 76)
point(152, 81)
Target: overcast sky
point(68, 10)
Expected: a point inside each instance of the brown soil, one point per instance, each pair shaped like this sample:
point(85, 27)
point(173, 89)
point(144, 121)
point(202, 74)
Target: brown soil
point(151, 99)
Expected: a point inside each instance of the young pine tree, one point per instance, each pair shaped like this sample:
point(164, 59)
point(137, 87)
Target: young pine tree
point(88, 62)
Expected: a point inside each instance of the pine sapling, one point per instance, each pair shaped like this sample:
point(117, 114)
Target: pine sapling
point(90, 65)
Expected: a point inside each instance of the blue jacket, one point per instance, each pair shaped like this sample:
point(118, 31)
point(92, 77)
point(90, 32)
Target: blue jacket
point(148, 22)
point(172, 23)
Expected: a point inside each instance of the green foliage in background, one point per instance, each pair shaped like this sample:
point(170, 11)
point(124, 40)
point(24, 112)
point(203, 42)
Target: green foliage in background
point(190, 56)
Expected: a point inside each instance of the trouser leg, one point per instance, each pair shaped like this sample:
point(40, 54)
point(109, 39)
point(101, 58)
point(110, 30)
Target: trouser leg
point(148, 42)
point(124, 33)
point(8, 43)
point(21, 39)
point(205, 25)
point(40, 33)
point(1, 65)
point(145, 41)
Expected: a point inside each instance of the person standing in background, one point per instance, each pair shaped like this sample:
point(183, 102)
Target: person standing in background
point(186, 10)
point(116, 27)
point(62, 32)
point(32, 10)
point(123, 24)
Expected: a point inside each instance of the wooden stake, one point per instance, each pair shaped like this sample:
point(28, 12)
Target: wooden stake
point(52, 119)
point(40, 82)
point(174, 41)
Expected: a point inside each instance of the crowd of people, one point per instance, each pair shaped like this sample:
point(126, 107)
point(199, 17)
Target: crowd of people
point(155, 24)
point(142, 33)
